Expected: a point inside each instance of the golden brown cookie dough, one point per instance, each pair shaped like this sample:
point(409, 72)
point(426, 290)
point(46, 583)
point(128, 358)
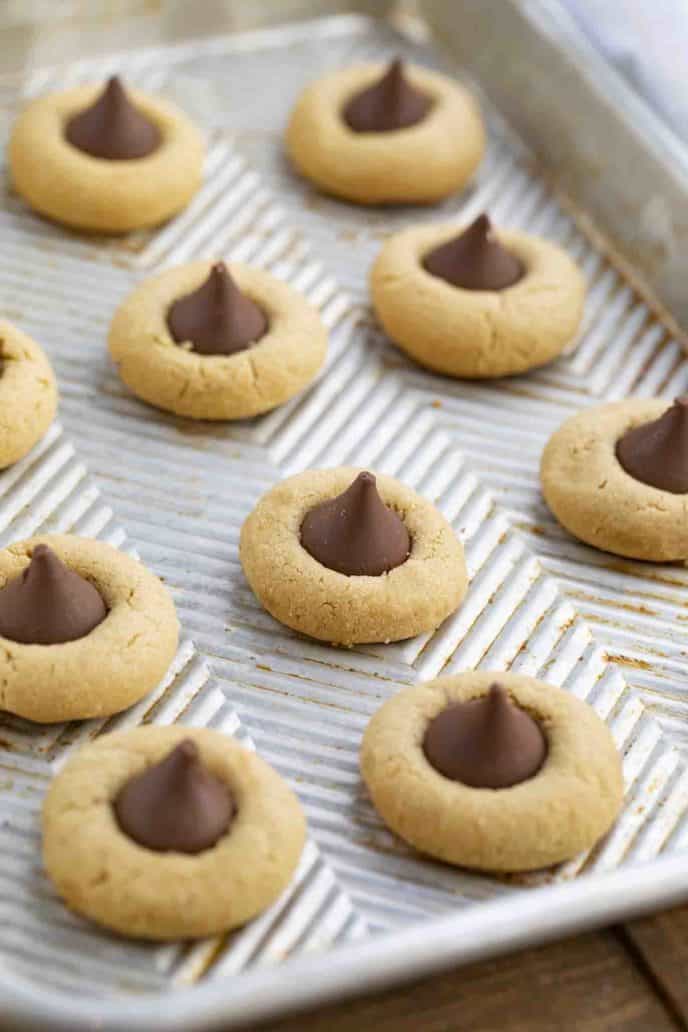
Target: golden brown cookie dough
point(72, 187)
point(591, 494)
point(236, 386)
point(477, 334)
point(113, 666)
point(565, 808)
point(419, 164)
point(308, 597)
point(28, 394)
point(103, 874)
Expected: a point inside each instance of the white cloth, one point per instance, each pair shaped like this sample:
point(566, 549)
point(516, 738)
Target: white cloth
point(647, 40)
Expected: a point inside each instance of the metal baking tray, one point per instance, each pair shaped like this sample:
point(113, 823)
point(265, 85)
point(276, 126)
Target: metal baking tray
point(363, 910)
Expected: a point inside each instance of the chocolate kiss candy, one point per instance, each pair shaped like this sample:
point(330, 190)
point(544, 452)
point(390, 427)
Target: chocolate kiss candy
point(656, 453)
point(486, 743)
point(390, 103)
point(356, 533)
point(216, 318)
point(177, 805)
point(475, 260)
point(48, 603)
point(112, 128)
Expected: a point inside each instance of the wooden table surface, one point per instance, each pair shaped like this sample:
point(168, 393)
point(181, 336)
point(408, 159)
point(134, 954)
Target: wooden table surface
point(630, 978)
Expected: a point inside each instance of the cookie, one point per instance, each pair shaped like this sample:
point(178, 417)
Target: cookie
point(598, 501)
point(105, 160)
point(322, 558)
point(28, 394)
point(156, 892)
point(415, 150)
point(63, 658)
point(565, 802)
point(252, 376)
point(466, 327)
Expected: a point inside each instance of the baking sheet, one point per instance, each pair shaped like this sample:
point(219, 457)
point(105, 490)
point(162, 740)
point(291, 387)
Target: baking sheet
point(538, 602)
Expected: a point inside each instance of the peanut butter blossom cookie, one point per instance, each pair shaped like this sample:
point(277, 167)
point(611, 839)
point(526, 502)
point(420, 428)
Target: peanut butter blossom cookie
point(28, 394)
point(170, 833)
point(347, 557)
point(497, 772)
point(211, 342)
point(616, 476)
point(475, 303)
point(375, 134)
point(105, 159)
point(85, 630)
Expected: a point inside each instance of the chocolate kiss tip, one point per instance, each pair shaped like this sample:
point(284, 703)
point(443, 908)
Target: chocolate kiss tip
point(497, 693)
point(656, 453)
point(113, 128)
point(355, 533)
point(394, 76)
point(216, 318)
point(475, 260)
point(188, 749)
point(223, 284)
point(391, 103)
point(49, 604)
point(488, 742)
point(176, 805)
point(183, 756)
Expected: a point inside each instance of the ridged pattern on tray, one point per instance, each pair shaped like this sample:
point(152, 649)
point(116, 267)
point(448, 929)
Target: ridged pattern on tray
point(638, 611)
point(51, 491)
point(183, 489)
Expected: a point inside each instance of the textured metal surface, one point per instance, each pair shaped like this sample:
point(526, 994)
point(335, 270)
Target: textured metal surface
point(538, 602)
point(35, 33)
point(51, 491)
point(597, 135)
